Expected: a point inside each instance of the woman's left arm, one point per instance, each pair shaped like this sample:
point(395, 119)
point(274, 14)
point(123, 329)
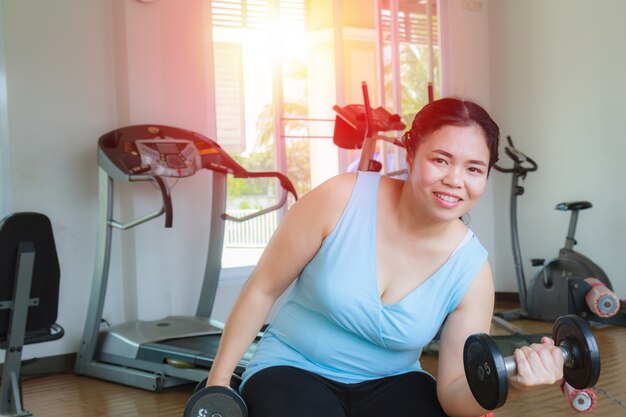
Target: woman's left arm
point(473, 315)
point(537, 364)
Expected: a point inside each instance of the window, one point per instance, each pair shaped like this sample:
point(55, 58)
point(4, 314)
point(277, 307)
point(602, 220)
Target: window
point(278, 75)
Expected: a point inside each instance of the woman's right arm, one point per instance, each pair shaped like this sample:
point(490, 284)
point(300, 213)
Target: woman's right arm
point(295, 241)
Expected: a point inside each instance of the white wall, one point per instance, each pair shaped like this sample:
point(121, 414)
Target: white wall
point(5, 166)
point(558, 87)
point(61, 97)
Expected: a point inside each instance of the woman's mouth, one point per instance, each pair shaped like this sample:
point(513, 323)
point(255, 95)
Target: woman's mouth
point(448, 200)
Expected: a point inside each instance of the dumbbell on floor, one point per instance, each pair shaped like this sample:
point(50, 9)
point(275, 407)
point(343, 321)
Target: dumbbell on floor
point(215, 402)
point(487, 371)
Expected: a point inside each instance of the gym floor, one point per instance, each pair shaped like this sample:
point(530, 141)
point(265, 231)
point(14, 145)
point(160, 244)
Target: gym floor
point(69, 395)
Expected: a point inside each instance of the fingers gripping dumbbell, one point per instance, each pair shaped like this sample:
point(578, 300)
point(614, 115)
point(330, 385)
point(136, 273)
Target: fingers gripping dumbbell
point(215, 401)
point(488, 372)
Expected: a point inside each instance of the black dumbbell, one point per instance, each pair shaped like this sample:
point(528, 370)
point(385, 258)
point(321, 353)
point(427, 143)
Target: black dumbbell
point(215, 402)
point(487, 371)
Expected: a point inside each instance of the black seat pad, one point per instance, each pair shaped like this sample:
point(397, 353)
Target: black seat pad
point(574, 205)
point(36, 228)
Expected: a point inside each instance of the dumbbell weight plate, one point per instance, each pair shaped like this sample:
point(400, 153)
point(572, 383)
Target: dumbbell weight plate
point(585, 370)
point(216, 402)
point(235, 382)
point(485, 371)
point(201, 384)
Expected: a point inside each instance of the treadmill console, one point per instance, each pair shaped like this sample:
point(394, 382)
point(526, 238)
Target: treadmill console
point(140, 151)
point(160, 150)
point(169, 157)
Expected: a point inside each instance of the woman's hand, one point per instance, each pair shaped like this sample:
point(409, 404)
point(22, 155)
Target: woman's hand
point(213, 380)
point(538, 364)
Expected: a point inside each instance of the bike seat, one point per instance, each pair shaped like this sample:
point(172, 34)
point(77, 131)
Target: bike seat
point(574, 205)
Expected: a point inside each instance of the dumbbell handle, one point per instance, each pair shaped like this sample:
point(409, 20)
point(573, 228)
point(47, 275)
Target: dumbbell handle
point(511, 365)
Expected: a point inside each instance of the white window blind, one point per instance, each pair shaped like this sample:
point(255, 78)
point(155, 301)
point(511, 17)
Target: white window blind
point(412, 22)
point(257, 14)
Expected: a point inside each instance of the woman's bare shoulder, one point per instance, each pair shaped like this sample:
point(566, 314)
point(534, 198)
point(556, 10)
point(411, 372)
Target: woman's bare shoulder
point(334, 190)
point(321, 207)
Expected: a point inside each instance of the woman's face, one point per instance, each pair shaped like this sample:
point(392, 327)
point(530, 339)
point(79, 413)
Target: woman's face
point(448, 172)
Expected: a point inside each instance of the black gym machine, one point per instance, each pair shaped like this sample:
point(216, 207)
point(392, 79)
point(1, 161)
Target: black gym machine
point(29, 298)
point(359, 127)
point(571, 283)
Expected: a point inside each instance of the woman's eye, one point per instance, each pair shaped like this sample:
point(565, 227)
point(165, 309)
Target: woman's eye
point(440, 161)
point(475, 170)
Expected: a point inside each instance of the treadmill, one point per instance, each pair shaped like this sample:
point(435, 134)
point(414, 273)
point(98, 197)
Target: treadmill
point(154, 355)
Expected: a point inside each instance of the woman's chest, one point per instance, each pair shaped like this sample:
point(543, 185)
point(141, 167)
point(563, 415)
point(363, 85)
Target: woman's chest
point(401, 269)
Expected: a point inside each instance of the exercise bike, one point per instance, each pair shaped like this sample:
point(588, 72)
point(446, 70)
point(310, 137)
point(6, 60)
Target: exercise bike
point(547, 298)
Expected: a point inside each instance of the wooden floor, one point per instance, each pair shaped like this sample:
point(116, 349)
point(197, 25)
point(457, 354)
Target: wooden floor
point(70, 395)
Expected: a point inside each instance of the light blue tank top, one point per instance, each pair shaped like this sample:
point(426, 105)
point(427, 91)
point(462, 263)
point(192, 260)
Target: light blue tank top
point(333, 322)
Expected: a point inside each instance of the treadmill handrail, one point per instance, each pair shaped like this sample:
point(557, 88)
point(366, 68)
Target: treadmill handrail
point(166, 208)
point(285, 183)
point(261, 212)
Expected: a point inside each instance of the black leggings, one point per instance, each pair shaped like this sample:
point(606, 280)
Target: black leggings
point(284, 391)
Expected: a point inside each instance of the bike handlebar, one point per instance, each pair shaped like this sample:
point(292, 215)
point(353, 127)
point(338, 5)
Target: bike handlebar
point(519, 159)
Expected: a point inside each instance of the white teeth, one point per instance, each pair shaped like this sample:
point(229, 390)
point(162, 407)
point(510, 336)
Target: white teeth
point(447, 198)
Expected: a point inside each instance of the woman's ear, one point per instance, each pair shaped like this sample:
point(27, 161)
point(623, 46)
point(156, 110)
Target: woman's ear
point(406, 137)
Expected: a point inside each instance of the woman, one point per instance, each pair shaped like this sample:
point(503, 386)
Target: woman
point(377, 265)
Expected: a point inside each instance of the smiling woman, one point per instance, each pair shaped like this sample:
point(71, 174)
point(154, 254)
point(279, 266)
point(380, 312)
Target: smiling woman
point(375, 265)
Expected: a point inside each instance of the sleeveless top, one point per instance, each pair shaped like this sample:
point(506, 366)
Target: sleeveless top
point(333, 322)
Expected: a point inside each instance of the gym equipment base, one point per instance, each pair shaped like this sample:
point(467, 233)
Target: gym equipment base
point(147, 346)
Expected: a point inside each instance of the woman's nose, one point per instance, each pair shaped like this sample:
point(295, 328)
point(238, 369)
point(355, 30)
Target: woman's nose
point(453, 177)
